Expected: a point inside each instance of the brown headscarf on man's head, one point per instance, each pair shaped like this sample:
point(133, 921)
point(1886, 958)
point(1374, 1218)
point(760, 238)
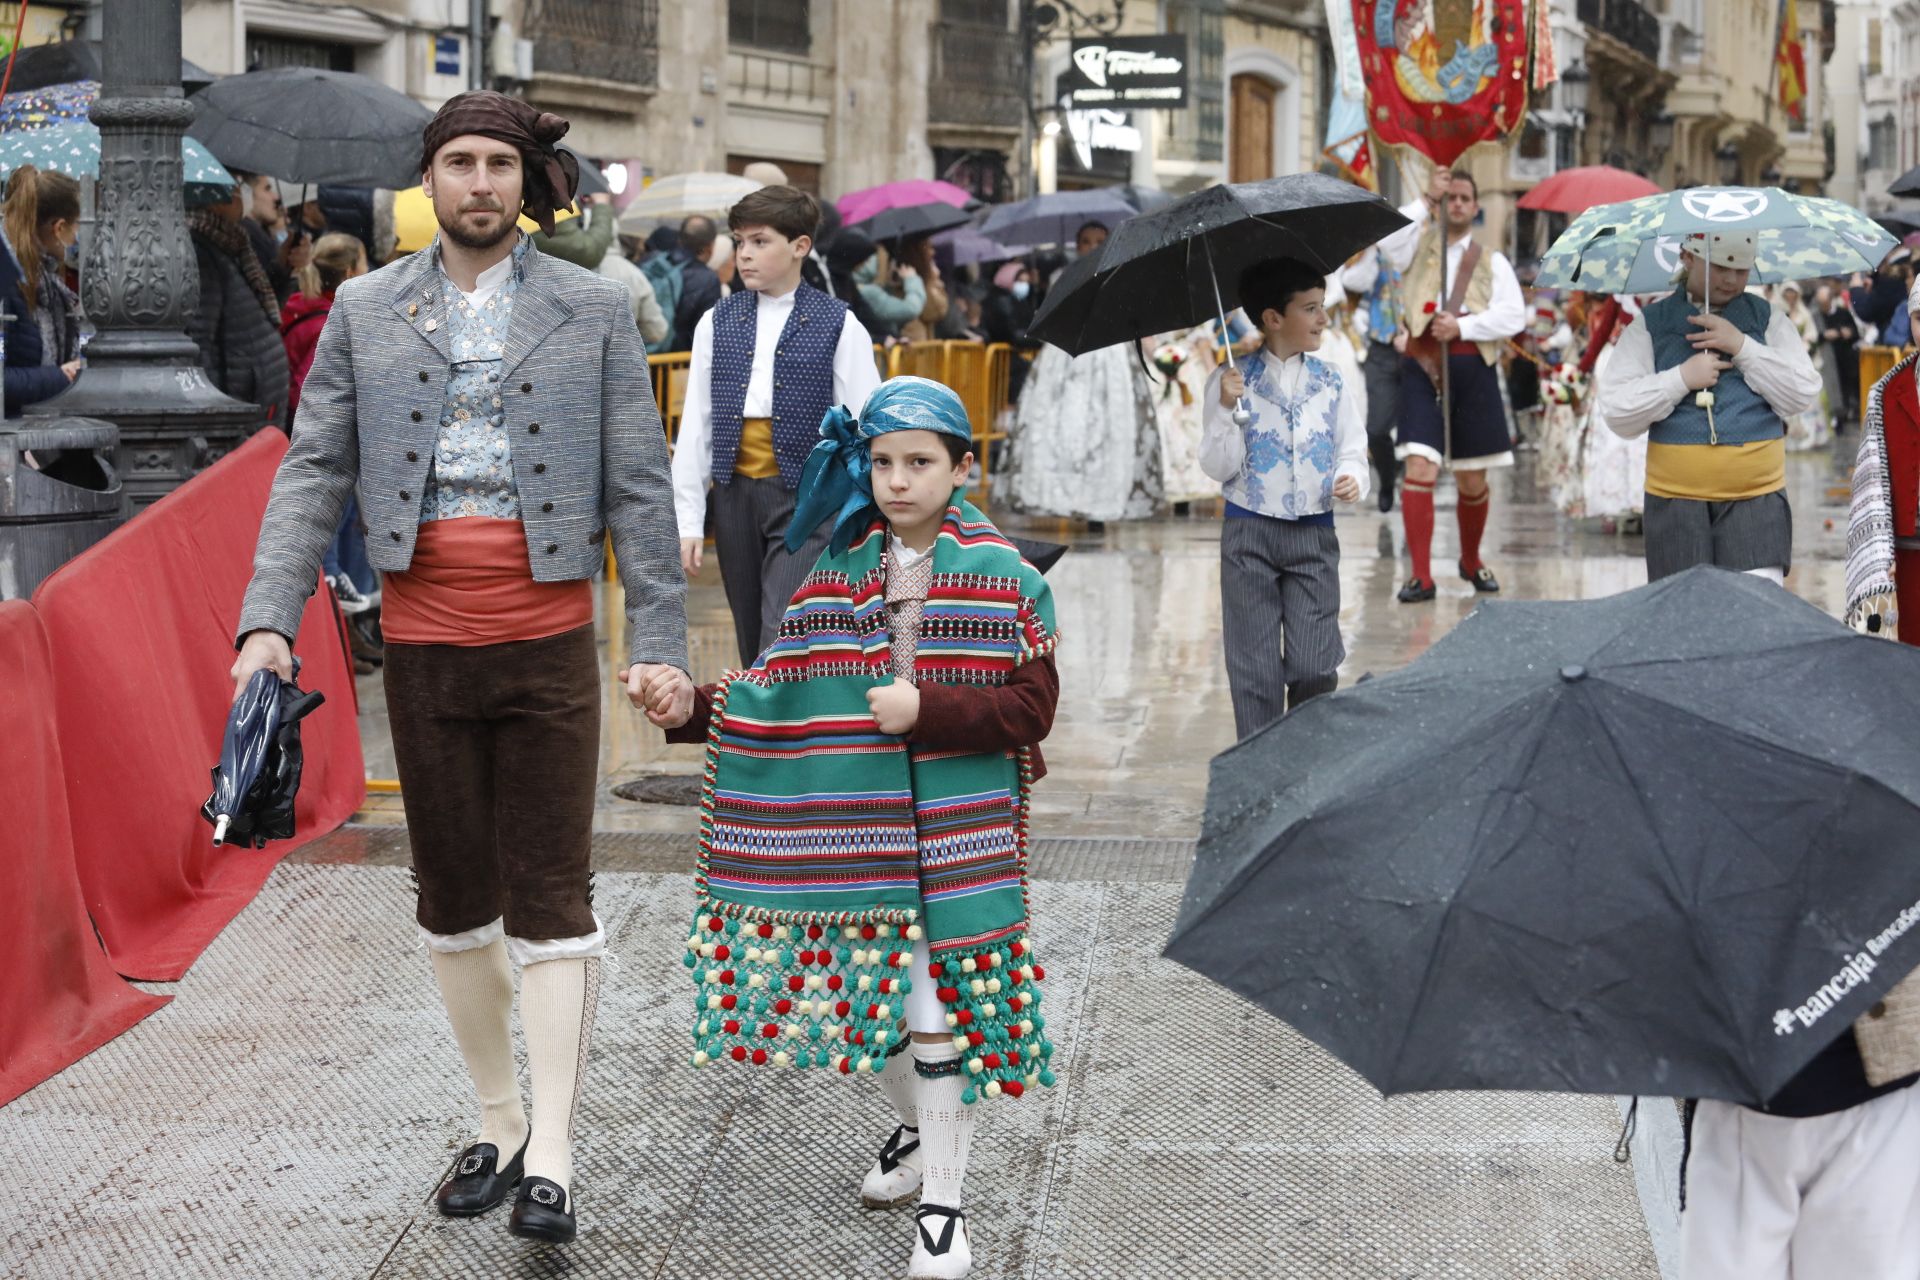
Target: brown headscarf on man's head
point(550, 176)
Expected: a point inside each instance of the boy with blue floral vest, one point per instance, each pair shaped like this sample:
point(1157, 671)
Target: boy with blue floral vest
point(1286, 438)
point(768, 362)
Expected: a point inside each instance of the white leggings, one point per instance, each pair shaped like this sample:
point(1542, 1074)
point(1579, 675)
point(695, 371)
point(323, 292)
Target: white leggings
point(925, 1014)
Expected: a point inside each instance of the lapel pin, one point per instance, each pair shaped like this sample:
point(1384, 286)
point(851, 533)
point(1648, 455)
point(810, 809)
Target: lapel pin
point(432, 324)
point(413, 308)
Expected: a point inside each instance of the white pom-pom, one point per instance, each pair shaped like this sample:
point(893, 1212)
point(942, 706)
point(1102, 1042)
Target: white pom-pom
point(975, 1066)
point(988, 1010)
point(993, 986)
point(960, 1043)
point(794, 1031)
point(757, 981)
point(865, 1064)
point(706, 950)
point(815, 982)
point(866, 983)
point(880, 1037)
point(701, 1059)
point(880, 1012)
point(713, 1002)
point(781, 1059)
point(952, 1020)
point(851, 932)
point(753, 955)
point(993, 1088)
point(704, 1027)
point(968, 966)
point(979, 987)
point(781, 932)
point(914, 933)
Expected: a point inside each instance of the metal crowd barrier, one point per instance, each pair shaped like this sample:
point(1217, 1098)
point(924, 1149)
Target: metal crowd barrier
point(1875, 364)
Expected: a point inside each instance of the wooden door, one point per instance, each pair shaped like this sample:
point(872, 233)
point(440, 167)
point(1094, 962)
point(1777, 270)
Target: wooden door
point(1251, 139)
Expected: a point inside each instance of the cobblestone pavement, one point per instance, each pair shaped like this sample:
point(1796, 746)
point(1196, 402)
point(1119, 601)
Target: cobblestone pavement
point(290, 1112)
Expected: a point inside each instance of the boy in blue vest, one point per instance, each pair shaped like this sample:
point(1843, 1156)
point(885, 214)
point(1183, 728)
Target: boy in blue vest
point(1711, 386)
point(768, 362)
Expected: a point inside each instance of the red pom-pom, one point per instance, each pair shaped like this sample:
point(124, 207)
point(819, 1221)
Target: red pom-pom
point(842, 1009)
point(814, 931)
point(739, 1053)
point(1013, 1088)
point(846, 1066)
point(766, 931)
point(1039, 974)
point(806, 957)
point(1018, 949)
point(873, 1011)
point(964, 1017)
point(868, 932)
point(759, 1057)
point(934, 970)
point(733, 1026)
point(771, 1030)
point(796, 982)
point(835, 982)
point(858, 1037)
point(948, 994)
point(1013, 1056)
point(983, 961)
point(723, 952)
point(976, 1038)
point(715, 924)
point(729, 1001)
point(783, 1006)
point(991, 1061)
point(726, 977)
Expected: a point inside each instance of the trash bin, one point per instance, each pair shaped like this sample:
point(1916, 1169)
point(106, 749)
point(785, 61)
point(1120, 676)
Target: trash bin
point(59, 494)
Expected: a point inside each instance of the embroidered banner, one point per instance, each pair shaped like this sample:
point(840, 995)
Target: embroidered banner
point(1443, 75)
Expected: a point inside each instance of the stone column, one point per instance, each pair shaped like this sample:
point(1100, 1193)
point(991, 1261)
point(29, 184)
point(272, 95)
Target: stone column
point(138, 278)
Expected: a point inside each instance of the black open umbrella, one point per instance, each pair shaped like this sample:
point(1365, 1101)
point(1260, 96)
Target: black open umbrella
point(1041, 555)
point(1659, 843)
point(258, 777)
point(303, 124)
point(913, 220)
point(64, 61)
point(592, 181)
point(1907, 184)
point(1180, 266)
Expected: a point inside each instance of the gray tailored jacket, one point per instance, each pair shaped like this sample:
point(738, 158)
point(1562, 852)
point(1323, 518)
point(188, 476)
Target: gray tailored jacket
point(589, 453)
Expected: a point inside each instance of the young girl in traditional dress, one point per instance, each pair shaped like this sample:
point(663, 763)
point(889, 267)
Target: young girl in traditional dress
point(862, 872)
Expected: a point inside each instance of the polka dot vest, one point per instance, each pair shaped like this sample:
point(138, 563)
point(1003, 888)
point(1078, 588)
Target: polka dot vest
point(802, 377)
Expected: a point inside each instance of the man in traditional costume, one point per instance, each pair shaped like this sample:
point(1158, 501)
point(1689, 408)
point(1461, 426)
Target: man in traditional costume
point(1883, 543)
point(889, 736)
point(493, 407)
point(1465, 329)
point(1709, 375)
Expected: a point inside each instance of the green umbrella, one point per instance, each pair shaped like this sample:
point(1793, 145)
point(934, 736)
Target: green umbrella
point(73, 148)
point(1634, 246)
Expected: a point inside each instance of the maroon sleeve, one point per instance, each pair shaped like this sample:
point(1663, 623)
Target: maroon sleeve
point(694, 731)
point(1018, 714)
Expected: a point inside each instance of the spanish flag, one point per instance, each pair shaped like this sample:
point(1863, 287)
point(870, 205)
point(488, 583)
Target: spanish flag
point(1790, 61)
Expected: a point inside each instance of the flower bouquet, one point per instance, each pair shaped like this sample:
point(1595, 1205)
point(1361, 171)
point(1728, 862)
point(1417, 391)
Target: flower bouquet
point(1169, 360)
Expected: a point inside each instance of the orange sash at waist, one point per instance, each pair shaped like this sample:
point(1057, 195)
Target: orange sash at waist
point(470, 584)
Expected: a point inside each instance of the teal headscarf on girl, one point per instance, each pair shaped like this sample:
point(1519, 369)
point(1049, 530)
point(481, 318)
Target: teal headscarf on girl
point(838, 480)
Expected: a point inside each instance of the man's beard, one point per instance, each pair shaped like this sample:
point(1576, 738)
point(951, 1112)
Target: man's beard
point(466, 239)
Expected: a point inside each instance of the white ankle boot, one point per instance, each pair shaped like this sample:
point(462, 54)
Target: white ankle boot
point(895, 1176)
point(941, 1247)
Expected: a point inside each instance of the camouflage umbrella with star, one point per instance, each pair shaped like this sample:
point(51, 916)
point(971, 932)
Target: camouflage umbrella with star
point(1634, 246)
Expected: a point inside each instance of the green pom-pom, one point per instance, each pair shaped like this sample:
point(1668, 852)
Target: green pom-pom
point(1046, 1048)
point(1047, 1079)
point(968, 1096)
point(845, 956)
point(733, 928)
point(813, 1031)
point(953, 968)
point(1039, 1023)
point(906, 985)
point(690, 960)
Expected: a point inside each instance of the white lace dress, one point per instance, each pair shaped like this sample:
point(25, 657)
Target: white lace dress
point(1086, 439)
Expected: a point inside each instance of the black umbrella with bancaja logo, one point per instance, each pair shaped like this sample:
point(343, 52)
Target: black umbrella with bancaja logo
point(1663, 843)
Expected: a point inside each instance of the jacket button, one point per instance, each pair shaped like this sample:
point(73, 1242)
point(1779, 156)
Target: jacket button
point(776, 385)
point(552, 547)
point(412, 456)
point(405, 496)
point(1879, 1009)
point(539, 467)
point(416, 415)
point(546, 506)
point(423, 375)
point(395, 535)
point(526, 386)
point(533, 428)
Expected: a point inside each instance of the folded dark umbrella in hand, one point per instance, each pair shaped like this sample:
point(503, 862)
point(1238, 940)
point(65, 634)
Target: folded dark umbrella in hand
point(258, 776)
point(1660, 843)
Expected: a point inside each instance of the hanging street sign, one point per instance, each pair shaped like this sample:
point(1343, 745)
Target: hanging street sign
point(1118, 72)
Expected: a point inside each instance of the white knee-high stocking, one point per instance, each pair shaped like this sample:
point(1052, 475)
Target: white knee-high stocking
point(557, 1003)
point(476, 986)
point(946, 1123)
point(901, 1086)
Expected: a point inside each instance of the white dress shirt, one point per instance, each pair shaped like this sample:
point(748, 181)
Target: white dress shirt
point(1634, 395)
point(487, 283)
point(854, 378)
point(1506, 312)
point(1356, 281)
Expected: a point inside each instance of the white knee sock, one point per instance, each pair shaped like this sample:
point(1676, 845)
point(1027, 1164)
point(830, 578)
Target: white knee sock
point(900, 1084)
point(946, 1123)
point(477, 988)
point(557, 1003)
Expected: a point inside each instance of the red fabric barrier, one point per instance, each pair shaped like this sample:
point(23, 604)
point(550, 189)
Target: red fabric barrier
point(141, 628)
point(62, 999)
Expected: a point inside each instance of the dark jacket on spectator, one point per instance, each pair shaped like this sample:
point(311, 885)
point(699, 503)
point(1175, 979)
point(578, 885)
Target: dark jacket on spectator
point(27, 380)
point(240, 346)
point(1881, 297)
point(699, 292)
point(267, 249)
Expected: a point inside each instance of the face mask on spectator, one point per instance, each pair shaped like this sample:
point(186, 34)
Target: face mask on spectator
point(1021, 289)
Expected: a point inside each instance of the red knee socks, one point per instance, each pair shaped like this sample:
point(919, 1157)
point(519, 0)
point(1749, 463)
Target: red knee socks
point(1473, 523)
point(1416, 514)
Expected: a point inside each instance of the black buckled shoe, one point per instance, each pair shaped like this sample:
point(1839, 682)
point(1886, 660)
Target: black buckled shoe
point(1415, 591)
point(475, 1183)
point(543, 1211)
point(1482, 579)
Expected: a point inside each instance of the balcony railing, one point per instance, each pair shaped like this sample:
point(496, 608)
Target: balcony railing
point(790, 81)
point(975, 76)
point(614, 40)
point(1628, 21)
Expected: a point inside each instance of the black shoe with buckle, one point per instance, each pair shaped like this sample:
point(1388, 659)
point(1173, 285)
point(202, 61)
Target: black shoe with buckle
point(1482, 579)
point(476, 1183)
point(1415, 591)
point(543, 1211)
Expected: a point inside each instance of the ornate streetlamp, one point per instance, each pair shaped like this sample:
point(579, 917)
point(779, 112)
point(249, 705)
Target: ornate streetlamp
point(138, 277)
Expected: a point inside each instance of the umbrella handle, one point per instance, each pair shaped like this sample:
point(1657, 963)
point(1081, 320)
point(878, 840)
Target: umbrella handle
point(1242, 412)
